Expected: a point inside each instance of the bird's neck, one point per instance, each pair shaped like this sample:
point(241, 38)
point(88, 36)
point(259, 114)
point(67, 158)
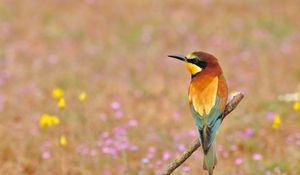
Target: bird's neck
point(208, 71)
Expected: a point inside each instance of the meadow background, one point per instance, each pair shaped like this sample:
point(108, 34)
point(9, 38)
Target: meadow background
point(86, 87)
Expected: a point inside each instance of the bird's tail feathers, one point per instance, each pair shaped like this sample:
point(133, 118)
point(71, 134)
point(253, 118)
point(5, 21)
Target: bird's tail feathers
point(210, 159)
point(208, 134)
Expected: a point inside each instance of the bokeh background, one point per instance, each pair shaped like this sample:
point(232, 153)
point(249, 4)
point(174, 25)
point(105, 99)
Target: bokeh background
point(86, 87)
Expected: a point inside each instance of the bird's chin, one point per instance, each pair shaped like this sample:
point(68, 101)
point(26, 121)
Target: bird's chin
point(192, 68)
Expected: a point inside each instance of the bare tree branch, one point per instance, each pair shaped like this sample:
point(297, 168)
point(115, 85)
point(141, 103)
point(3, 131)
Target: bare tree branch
point(195, 144)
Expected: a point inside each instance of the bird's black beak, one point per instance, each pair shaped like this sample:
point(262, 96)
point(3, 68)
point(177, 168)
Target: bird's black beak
point(179, 57)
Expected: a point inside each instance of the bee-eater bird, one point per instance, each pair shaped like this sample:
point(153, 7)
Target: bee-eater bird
point(208, 94)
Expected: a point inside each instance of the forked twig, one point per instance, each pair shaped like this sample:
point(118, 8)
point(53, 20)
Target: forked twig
point(231, 105)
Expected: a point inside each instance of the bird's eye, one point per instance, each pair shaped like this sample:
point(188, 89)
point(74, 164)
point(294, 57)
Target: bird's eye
point(198, 62)
point(193, 60)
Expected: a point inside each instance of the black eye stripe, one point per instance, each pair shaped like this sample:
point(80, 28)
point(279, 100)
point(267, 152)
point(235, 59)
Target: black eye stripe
point(194, 60)
point(201, 64)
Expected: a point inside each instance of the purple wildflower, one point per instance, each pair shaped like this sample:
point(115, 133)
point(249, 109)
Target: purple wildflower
point(270, 116)
point(152, 149)
point(220, 148)
point(257, 156)
point(238, 161)
point(118, 114)
point(268, 173)
point(290, 139)
point(115, 105)
point(181, 147)
point(132, 122)
point(225, 154)
point(134, 148)
point(166, 155)
point(145, 160)
point(248, 132)
point(186, 168)
point(109, 150)
point(46, 155)
point(106, 172)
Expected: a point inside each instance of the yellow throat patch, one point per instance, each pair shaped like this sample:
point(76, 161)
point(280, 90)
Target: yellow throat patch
point(192, 68)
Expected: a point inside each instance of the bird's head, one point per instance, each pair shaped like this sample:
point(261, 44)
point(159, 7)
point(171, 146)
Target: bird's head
point(195, 62)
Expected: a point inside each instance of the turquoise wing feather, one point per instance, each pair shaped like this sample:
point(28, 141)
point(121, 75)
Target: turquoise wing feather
point(213, 119)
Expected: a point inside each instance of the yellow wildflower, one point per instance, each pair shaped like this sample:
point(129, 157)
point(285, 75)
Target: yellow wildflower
point(276, 121)
point(47, 120)
point(82, 96)
point(296, 106)
point(63, 140)
point(57, 93)
point(61, 103)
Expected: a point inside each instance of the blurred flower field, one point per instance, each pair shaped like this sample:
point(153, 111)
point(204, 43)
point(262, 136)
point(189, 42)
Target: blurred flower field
point(86, 87)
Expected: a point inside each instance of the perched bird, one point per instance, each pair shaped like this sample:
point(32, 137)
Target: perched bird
point(208, 94)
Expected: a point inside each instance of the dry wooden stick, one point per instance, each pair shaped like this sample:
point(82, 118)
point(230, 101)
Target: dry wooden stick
point(196, 144)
